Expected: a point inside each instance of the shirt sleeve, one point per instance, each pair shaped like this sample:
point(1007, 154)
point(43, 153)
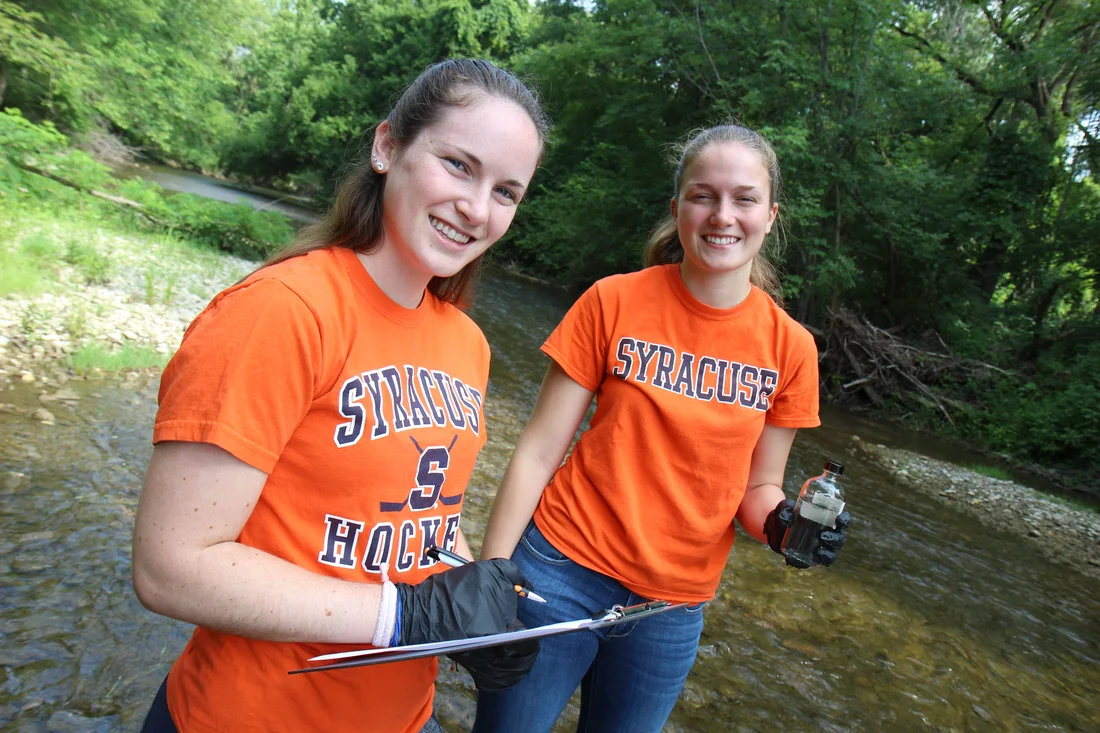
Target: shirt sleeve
point(579, 344)
point(796, 402)
point(243, 377)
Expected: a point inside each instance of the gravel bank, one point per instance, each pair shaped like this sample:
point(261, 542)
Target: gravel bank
point(155, 286)
point(1065, 534)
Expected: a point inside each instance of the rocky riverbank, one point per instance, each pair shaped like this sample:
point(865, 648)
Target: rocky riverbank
point(1064, 533)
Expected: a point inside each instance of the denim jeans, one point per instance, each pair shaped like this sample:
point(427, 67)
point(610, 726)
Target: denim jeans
point(630, 674)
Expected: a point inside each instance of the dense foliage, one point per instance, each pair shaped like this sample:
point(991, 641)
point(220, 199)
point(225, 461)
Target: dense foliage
point(326, 72)
point(940, 156)
point(158, 72)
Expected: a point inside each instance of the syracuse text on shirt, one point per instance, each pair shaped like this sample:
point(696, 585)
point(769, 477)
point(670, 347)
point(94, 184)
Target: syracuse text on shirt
point(703, 378)
point(414, 397)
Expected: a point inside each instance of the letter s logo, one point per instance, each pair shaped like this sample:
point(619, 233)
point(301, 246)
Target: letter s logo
point(430, 477)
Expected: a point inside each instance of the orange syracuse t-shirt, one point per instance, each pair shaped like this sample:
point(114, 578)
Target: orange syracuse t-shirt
point(649, 493)
point(367, 418)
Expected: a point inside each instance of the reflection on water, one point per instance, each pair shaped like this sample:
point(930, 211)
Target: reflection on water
point(928, 622)
point(174, 179)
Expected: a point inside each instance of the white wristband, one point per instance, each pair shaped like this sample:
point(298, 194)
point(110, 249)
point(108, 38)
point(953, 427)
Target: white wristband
point(387, 616)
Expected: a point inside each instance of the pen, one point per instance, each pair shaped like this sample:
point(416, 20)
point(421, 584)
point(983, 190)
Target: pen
point(450, 558)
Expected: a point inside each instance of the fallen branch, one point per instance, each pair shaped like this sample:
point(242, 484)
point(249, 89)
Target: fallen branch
point(876, 364)
point(872, 393)
point(117, 200)
point(932, 395)
point(138, 207)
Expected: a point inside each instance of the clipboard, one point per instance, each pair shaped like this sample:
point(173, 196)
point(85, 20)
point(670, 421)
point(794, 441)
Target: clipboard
point(367, 657)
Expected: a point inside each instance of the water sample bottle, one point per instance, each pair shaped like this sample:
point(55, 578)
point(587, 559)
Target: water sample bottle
point(819, 504)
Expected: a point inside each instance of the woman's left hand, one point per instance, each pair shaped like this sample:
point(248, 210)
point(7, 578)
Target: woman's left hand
point(497, 668)
point(829, 539)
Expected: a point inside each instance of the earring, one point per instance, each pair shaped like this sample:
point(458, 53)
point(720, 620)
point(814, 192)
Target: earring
point(378, 165)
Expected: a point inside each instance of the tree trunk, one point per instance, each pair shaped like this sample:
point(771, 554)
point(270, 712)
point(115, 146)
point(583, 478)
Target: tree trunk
point(3, 80)
point(987, 271)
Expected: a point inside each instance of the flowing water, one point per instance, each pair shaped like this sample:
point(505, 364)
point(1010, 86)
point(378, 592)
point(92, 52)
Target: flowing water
point(174, 179)
point(927, 622)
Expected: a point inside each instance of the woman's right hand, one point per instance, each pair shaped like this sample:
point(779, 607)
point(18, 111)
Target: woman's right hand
point(473, 600)
point(476, 599)
point(497, 668)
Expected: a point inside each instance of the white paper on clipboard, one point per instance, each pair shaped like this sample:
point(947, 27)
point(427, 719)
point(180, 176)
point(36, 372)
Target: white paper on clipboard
point(366, 657)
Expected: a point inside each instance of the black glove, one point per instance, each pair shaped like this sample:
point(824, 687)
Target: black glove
point(777, 523)
point(473, 600)
point(829, 540)
point(497, 668)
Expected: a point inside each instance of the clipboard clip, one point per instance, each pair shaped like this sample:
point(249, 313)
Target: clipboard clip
point(622, 613)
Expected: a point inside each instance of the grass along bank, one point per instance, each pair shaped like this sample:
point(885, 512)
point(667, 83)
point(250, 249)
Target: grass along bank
point(83, 294)
point(99, 275)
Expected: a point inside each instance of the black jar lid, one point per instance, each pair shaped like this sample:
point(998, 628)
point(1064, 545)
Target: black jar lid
point(834, 467)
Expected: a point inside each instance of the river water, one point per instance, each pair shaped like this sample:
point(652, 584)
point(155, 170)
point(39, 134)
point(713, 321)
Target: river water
point(928, 622)
point(174, 179)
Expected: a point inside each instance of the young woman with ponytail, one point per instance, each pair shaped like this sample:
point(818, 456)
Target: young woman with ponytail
point(318, 426)
point(701, 382)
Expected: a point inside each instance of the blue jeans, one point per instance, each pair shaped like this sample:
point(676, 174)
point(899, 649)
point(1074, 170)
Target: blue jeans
point(630, 674)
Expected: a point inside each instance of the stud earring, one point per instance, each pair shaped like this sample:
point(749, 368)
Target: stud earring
point(378, 165)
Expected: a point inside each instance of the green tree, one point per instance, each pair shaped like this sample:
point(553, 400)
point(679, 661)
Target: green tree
point(48, 64)
point(156, 71)
point(324, 72)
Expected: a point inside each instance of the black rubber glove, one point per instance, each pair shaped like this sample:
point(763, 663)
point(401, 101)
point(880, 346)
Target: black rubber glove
point(473, 600)
point(829, 541)
point(497, 668)
point(777, 523)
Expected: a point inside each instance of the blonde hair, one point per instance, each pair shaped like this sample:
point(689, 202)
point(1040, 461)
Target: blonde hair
point(664, 246)
point(355, 219)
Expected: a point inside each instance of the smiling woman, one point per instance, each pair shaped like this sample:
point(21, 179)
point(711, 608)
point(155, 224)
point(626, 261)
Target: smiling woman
point(702, 382)
point(289, 532)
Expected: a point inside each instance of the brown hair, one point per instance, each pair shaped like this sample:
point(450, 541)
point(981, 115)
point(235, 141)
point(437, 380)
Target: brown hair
point(355, 219)
point(664, 246)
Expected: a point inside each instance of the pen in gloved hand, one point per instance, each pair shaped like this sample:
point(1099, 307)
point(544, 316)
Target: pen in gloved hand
point(450, 558)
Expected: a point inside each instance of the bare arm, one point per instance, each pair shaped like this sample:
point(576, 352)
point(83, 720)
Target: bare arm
point(462, 547)
point(769, 460)
point(558, 412)
point(189, 566)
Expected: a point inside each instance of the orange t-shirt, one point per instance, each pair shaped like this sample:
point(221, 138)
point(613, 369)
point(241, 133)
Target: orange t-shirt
point(649, 493)
point(367, 418)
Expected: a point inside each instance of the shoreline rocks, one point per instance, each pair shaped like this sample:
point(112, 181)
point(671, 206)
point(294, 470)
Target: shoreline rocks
point(1065, 534)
